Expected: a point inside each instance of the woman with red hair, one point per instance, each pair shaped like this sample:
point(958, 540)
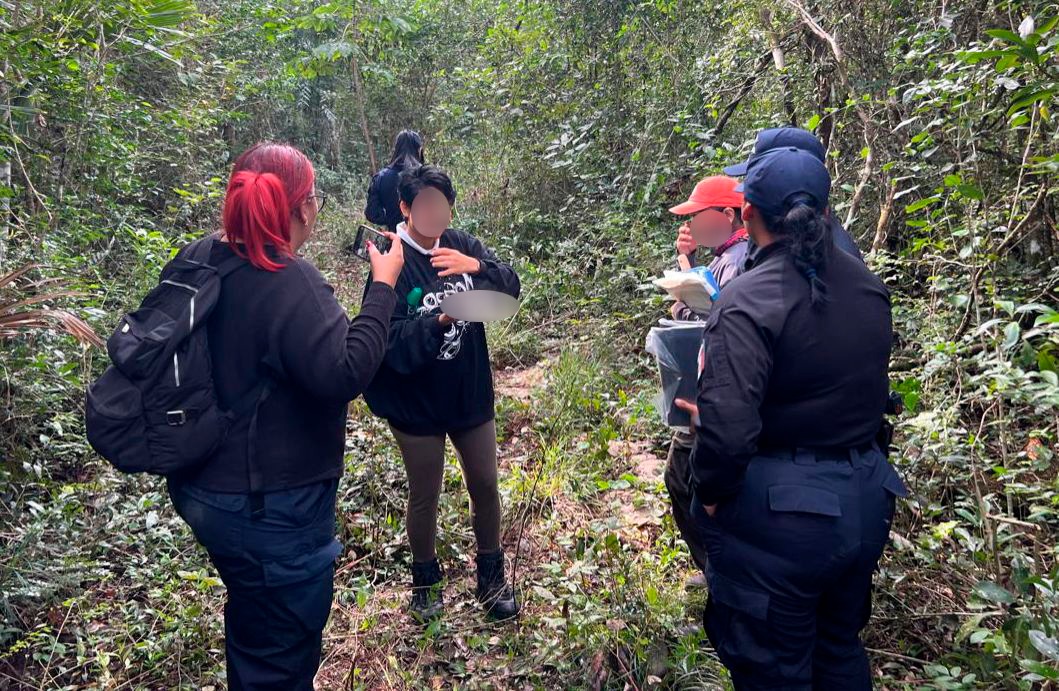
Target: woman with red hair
point(263, 505)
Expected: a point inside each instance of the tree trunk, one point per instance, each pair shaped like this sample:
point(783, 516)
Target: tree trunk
point(780, 62)
point(883, 226)
point(362, 113)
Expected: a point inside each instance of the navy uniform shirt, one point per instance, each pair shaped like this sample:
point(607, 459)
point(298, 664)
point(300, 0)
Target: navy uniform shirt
point(780, 373)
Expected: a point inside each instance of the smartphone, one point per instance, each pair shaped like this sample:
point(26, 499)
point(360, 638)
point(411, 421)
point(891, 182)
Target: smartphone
point(364, 234)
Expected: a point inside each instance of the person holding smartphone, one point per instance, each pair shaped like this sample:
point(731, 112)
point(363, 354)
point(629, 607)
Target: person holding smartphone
point(436, 382)
point(279, 336)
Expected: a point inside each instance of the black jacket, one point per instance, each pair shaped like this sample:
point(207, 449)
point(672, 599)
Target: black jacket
point(384, 201)
point(436, 379)
point(841, 237)
point(288, 327)
point(782, 374)
point(843, 240)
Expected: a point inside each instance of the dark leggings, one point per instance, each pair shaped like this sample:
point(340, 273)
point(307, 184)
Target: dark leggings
point(424, 462)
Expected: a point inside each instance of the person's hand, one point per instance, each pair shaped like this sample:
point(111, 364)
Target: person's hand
point(685, 242)
point(690, 408)
point(445, 319)
point(385, 268)
point(693, 410)
point(453, 262)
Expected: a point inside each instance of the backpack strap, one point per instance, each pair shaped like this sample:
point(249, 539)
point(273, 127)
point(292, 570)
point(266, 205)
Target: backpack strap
point(199, 253)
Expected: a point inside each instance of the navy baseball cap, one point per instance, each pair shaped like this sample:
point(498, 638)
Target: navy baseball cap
point(779, 137)
point(778, 178)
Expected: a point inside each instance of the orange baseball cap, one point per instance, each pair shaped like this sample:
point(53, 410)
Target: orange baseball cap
point(716, 191)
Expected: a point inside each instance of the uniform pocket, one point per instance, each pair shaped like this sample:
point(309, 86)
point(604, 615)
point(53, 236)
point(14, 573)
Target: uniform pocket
point(802, 499)
point(745, 599)
point(736, 621)
point(893, 484)
point(137, 345)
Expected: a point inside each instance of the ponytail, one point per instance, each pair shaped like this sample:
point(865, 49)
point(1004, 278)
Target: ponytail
point(808, 235)
point(269, 180)
point(256, 214)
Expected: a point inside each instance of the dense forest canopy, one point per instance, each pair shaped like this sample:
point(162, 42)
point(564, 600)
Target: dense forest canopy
point(569, 128)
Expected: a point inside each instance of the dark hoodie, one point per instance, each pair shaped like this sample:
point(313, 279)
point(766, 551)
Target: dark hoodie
point(436, 379)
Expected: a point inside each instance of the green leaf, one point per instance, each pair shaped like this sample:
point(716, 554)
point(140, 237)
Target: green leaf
point(971, 191)
point(1011, 334)
point(168, 13)
point(922, 204)
point(1045, 645)
point(1005, 35)
point(973, 57)
point(1029, 99)
point(813, 123)
point(1040, 669)
point(987, 590)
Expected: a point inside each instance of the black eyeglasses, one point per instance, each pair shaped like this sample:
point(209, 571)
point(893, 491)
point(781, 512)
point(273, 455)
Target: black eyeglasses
point(321, 200)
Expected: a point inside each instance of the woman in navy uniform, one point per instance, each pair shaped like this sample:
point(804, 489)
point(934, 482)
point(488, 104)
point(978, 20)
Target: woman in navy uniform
point(794, 497)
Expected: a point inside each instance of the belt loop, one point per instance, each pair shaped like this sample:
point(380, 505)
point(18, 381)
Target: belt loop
point(804, 456)
point(257, 506)
point(854, 458)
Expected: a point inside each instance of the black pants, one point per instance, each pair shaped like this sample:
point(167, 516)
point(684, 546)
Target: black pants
point(276, 558)
point(791, 559)
point(678, 482)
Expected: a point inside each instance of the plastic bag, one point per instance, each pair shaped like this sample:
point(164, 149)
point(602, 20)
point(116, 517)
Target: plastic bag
point(675, 346)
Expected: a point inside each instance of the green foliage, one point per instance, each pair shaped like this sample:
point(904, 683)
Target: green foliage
point(569, 128)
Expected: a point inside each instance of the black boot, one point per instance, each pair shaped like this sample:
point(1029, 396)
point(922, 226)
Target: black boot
point(493, 590)
point(426, 590)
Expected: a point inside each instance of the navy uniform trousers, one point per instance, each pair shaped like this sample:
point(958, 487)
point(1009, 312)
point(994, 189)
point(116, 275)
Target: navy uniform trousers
point(791, 559)
point(275, 553)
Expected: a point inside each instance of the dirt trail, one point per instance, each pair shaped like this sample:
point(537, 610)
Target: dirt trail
point(373, 632)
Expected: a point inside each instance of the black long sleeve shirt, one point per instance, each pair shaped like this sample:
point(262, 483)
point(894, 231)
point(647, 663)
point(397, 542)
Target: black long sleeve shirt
point(288, 326)
point(436, 379)
point(781, 374)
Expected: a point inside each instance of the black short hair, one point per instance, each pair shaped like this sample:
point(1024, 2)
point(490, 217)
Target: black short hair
point(413, 181)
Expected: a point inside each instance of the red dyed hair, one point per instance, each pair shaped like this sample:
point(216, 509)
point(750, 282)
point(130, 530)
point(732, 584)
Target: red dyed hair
point(269, 181)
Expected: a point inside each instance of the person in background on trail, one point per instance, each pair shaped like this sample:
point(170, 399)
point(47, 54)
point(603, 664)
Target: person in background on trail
point(779, 137)
point(436, 382)
point(384, 203)
point(716, 223)
point(792, 494)
point(279, 335)
point(715, 209)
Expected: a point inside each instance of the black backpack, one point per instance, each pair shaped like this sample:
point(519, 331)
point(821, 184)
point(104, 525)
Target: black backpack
point(154, 410)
